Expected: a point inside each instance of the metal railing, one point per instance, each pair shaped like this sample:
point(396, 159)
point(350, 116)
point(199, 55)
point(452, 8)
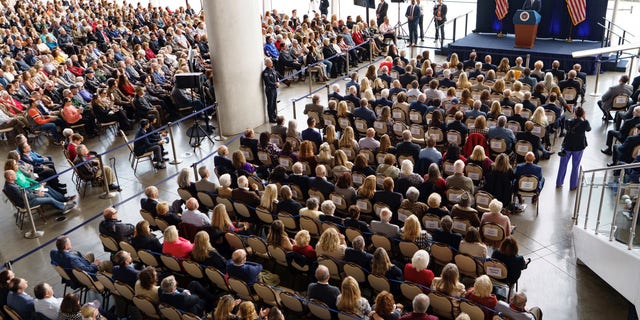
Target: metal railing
point(613, 188)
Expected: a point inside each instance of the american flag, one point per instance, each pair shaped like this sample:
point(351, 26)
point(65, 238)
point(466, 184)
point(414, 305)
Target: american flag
point(502, 8)
point(577, 10)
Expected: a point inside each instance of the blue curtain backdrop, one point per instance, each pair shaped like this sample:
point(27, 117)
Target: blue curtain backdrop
point(555, 22)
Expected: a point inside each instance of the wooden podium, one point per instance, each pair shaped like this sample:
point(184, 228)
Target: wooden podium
point(526, 23)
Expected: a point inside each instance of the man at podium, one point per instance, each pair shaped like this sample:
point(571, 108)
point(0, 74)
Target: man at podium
point(532, 5)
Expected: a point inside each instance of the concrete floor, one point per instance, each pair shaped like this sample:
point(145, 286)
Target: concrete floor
point(553, 281)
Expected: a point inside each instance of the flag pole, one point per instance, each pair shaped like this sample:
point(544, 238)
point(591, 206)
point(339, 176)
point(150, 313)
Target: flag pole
point(570, 32)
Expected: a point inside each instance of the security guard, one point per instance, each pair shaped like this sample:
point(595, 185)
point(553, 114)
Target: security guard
point(271, 78)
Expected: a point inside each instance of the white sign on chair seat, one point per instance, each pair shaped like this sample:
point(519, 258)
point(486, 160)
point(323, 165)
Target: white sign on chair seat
point(494, 272)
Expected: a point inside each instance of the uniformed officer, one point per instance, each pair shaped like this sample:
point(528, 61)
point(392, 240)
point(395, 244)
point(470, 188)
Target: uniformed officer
point(270, 78)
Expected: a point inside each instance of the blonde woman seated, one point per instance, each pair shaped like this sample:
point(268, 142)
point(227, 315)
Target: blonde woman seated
point(341, 164)
point(278, 237)
point(221, 222)
point(472, 244)
point(224, 309)
point(269, 199)
point(481, 294)
point(350, 299)
point(302, 246)
point(348, 140)
point(381, 266)
point(447, 283)
point(413, 232)
point(416, 271)
point(205, 254)
point(495, 215)
point(368, 188)
point(331, 244)
point(324, 155)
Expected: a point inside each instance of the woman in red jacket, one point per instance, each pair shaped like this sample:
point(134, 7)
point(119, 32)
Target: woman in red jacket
point(175, 245)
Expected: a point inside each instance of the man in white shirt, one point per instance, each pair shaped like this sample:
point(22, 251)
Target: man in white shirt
point(46, 303)
point(193, 216)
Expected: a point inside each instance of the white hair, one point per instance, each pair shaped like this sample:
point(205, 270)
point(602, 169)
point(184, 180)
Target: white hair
point(495, 206)
point(406, 167)
point(458, 166)
point(420, 260)
point(385, 214)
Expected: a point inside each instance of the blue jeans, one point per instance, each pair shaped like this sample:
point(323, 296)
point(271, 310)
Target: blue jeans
point(328, 65)
point(51, 129)
point(575, 156)
point(47, 199)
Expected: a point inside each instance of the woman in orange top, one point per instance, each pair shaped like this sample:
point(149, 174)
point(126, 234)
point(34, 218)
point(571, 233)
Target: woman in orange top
point(73, 116)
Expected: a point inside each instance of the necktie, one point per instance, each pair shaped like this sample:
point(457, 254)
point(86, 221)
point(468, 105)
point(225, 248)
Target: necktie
point(411, 14)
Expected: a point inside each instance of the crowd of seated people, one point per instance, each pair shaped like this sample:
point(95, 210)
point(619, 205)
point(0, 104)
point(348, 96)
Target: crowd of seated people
point(103, 63)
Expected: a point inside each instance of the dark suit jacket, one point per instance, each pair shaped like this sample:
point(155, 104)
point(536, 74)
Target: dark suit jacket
point(460, 127)
point(143, 145)
point(247, 197)
point(312, 135)
point(321, 185)
point(408, 148)
point(390, 198)
point(383, 102)
point(248, 272)
point(251, 143)
point(147, 243)
point(366, 114)
point(381, 12)
point(533, 139)
point(528, 5)
point(301, 181)
point(117, 229)
point(448, 83)
point(448, 238)
point(324, 292)
point(187, 302)
point(469, 64)
point(149, 205)
point(361, 258)
point(291, 206)
point(532, 169)
point(127, 274)
point(406, 79)
point(223, 164)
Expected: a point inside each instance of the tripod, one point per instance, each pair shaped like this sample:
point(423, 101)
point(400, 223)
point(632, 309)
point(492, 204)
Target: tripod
point(398, 27)
point(197, 133)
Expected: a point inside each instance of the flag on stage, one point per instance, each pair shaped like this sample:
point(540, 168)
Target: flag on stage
point(577, 10)
point(502, 8)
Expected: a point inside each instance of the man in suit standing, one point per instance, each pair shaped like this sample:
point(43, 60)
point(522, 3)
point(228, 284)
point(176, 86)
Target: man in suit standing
point(381, 12)
point(322, 290)
point(413, 15)
point(529, 168)
point(440, 17)
point(606, 103)
point(532, 5)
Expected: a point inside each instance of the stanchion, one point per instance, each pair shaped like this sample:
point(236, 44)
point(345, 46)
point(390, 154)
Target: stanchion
point(293, 103)
point(173, 146)
point(107, 194)
point(370, 51)
point(595, 87)
point(528, 60)
point(195, 171)
point(219, 137)
point(310, 76)
point(328, 90)
point(347, 58)
point(33, 233)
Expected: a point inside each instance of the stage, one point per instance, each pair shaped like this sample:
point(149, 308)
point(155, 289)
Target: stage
point(546, 50)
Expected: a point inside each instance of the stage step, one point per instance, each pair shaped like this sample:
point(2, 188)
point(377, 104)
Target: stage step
point(611, 65)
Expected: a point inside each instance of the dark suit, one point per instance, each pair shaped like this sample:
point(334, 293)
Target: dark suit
point(622, 134)
point(406, 78)
point(532, 5)
point(383, 102)
point(117, 229)
point(248, 272)
point(366, 114)
point(183, 301)
point(623, 152)
point(324, 292)
point(147, 243)
point(321, 185)
point(442, 8)
point(460, 127)
point(312, 135)
point(408, 148)
point(251, 143)
point(390, 198)
point(127, 274)
point(290, 206)
point(532, 169)
point(361, 258)
point(71, 259)
point(140, 146)
point(413, 15)
point(448, 238)
point(21, 303)
point(245, 196)
point(447, 83)
point(468, 64)
point(301, 181)
point(224, 165)
point(381, 12)
point(534, 140)
point(419, 106)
